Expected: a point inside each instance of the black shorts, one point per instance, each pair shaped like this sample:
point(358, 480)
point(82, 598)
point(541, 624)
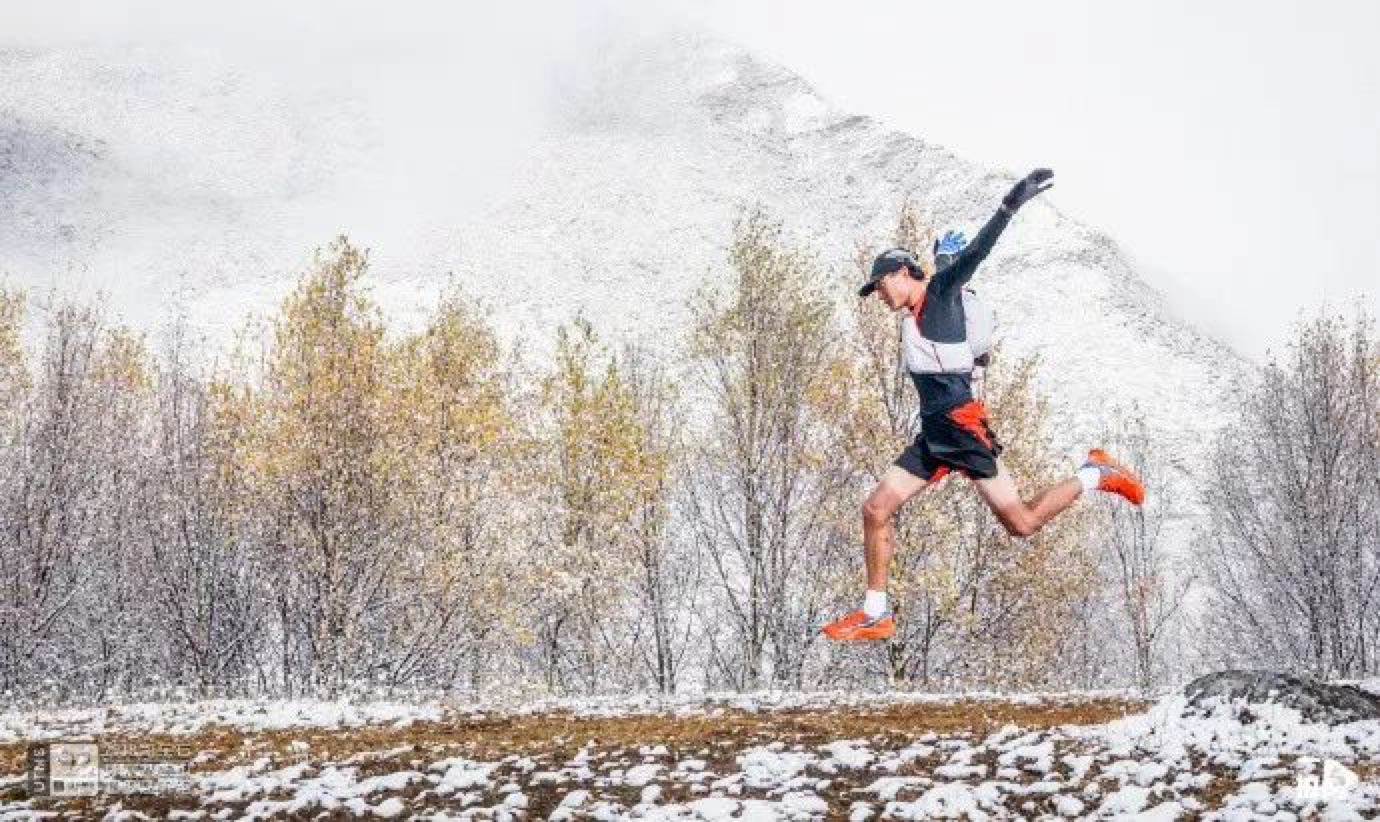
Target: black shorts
point(959, 439)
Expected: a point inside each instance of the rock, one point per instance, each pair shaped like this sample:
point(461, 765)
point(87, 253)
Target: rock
point(1316, 701)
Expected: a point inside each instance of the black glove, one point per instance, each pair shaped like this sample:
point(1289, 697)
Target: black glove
point(1024, 191)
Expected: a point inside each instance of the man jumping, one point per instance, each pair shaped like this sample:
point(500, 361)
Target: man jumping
point(955, 434)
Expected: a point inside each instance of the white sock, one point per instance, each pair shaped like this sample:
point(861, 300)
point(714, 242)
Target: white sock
point(874, 603)
point(1089, 475)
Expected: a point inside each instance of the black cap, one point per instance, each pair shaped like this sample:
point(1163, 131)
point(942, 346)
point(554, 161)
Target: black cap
point(887, 262)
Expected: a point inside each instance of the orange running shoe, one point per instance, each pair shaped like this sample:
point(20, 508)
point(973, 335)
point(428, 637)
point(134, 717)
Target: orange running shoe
point(1116, 478)
point(857, 625)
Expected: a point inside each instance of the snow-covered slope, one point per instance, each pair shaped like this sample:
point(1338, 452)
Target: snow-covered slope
point(145, 173)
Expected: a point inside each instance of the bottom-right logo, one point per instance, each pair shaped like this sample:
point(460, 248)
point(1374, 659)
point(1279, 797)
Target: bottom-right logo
point(1336, 782)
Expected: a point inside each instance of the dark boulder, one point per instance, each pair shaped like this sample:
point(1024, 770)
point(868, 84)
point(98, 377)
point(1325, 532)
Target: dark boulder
point(1316, 701)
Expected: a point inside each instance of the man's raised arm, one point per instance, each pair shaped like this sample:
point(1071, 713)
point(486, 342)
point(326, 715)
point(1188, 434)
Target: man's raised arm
point(960, 271)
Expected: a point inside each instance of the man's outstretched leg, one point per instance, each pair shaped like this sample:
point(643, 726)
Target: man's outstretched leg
point(1022, 519)
point(873, 620)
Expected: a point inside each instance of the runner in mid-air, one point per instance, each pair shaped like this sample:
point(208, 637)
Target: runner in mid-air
point(955, 434)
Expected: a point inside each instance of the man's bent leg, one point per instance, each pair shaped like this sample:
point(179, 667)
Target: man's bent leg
point(879, 544)
point(1022, 519)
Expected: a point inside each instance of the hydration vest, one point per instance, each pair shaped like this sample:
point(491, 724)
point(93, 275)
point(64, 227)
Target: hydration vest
point(979, 322)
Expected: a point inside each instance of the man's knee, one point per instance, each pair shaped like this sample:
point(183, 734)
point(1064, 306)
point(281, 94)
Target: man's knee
point(1019, 524)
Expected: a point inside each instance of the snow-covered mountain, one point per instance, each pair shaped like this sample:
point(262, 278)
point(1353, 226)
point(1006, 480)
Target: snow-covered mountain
point(147, 173)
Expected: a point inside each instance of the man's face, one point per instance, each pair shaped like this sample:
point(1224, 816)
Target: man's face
point(891, 288)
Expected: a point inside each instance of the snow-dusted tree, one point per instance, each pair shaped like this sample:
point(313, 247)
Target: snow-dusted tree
point(74, 471)
point(113, 612)
point(319, 473)
point(52, 505)
point(200, 579)
point(666, 568)
point(1293, 538)
point(454, 423)
point(25, 572)
point(14, 376)
point(1145, 587)
point(605, 480)
point(763, 499)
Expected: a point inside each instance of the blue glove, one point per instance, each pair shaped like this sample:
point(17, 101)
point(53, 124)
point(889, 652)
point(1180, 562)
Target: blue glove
point(950, 244)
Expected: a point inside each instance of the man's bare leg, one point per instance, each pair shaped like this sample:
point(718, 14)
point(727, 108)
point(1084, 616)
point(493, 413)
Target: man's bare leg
point(872, 621)
point(879, 510)
point(1022, 519)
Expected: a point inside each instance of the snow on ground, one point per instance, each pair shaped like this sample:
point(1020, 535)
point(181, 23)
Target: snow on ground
point(798, 757)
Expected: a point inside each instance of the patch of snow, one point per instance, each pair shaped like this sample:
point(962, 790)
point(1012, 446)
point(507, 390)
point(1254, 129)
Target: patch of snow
point(1068, 805)
point(764, 768)
point(1129, 799)
point(946, 802)
point(849, 754)
point(641, 775)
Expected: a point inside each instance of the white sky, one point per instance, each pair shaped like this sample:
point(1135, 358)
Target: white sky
point(1231, 147)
